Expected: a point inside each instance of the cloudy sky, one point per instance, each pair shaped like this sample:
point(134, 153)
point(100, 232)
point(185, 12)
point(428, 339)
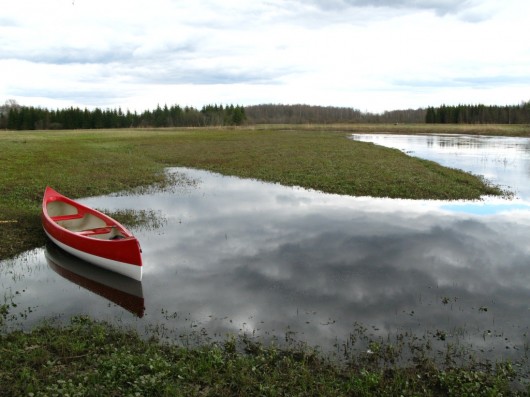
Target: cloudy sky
point(372, 55)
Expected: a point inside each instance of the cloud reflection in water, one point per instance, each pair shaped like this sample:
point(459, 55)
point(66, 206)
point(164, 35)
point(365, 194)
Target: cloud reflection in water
point(244, 249)
point(240, 254)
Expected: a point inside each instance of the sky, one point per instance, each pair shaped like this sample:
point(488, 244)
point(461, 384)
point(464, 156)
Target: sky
point(371, 55)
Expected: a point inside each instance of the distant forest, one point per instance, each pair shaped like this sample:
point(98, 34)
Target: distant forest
point(16, 117)
point(302, 114)
point(479, 114)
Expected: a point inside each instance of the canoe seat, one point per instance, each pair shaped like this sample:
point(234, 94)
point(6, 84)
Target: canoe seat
point(102, 233)
point(99, 230)
point(81, 222)
point(66, 217)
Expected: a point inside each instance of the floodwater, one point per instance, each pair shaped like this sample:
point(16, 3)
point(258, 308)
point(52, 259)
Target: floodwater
point(232, 256)
point(504, 161)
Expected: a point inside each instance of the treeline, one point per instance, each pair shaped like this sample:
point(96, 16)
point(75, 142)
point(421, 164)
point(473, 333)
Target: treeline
point(479, 114)
point(16, 117)
point(307, 114)
point(467, 114)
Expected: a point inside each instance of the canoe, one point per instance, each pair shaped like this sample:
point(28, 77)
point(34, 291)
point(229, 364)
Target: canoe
point(91, 235)
point(121, 290)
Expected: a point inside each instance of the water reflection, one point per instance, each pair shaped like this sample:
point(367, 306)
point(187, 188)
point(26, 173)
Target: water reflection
point(504, 161)
point(240, 255)
point(118, 289)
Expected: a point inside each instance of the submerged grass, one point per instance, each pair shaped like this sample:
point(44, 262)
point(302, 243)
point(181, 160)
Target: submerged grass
point(91, 358)
point(137, 219)
point(86, 163)
point(88, 358)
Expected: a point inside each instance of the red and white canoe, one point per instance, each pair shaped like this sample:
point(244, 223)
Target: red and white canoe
point(90, 235)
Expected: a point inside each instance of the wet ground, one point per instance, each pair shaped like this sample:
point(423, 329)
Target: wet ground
point(229, 255)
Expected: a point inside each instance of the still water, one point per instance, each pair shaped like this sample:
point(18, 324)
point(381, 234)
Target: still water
point(503, 161)
point(229, 256)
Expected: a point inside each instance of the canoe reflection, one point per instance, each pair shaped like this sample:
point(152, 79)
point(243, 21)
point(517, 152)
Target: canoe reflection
point(118, 289)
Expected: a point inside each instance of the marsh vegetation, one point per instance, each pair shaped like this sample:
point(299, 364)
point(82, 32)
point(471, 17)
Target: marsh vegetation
point(93, 358)
point(88, 358)
point(85, 163)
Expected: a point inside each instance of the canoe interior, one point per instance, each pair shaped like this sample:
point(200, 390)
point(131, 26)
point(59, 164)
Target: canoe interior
point(84, 223)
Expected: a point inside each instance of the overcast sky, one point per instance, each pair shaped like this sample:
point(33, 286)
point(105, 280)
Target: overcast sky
point(372, 55)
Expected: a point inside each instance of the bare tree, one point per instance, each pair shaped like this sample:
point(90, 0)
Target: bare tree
point(4, 111)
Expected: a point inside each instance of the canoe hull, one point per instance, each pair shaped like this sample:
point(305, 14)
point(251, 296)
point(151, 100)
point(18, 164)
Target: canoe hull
point(121, 290)
point(91, 235)
point(125, 269)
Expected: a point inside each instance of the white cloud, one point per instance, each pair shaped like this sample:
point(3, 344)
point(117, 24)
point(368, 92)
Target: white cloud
point(371, 55)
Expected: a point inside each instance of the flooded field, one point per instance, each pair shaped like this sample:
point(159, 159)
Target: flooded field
point(231, 256)
point(503, 161)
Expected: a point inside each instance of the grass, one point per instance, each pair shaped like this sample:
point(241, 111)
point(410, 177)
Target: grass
point(92, 162)
point(516, 130)
point(87, 358)
point(91, 358)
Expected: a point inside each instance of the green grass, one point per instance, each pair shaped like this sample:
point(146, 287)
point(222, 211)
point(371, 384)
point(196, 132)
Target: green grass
point(88, 358)
point(521, 130)
point(93, 162)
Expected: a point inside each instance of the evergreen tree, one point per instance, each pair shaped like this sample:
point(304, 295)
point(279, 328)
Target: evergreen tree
point(430, 116)
point(238, 116)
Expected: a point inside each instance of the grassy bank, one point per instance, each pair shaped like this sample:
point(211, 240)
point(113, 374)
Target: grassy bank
point(93, 359)
point(515, 130)
point(89, 358)
point(85, 163)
